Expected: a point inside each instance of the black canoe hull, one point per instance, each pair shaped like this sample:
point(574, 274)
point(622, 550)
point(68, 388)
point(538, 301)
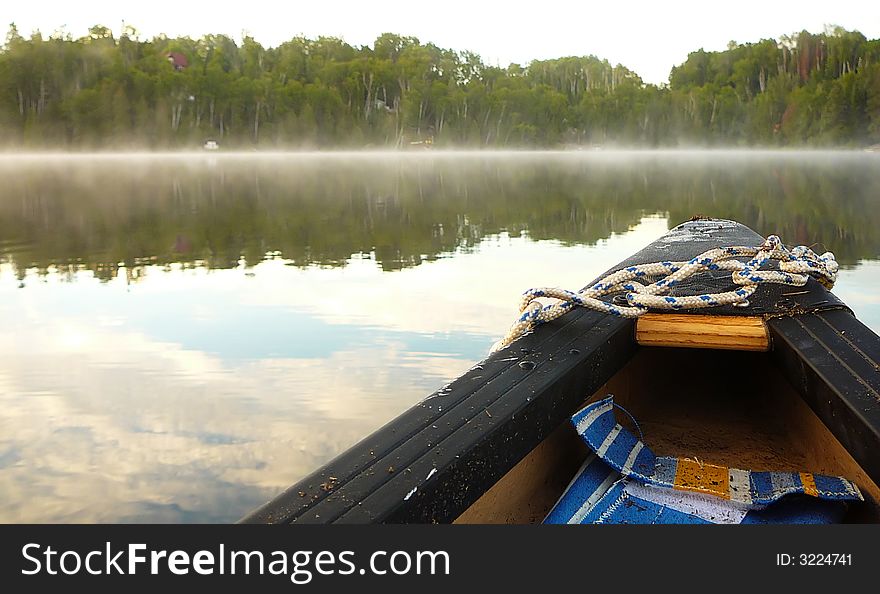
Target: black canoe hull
point(433, 462)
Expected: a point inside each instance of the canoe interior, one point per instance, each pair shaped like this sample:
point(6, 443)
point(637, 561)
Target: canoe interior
point(728, 408)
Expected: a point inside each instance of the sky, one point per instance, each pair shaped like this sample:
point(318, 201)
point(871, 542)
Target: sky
point(649, 37)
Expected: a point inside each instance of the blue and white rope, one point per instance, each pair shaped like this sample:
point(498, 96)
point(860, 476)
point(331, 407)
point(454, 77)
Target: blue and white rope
point(644, 291)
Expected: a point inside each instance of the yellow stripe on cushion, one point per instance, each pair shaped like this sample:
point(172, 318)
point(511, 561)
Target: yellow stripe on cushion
point(809, 484)
point(702, 478)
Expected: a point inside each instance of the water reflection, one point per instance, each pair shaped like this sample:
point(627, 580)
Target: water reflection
point(196, 395)
point(185, 338)
point(108, 416)
point(406, 209)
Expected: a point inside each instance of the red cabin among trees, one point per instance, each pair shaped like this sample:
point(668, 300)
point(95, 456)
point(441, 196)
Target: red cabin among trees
point(178, 60)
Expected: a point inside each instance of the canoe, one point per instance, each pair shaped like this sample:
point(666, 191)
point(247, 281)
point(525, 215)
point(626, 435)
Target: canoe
point(786, 386)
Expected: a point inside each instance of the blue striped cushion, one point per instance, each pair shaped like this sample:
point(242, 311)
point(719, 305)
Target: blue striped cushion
point(622, 481)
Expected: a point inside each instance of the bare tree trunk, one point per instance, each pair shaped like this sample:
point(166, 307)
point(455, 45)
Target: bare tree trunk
point(368, 103)
point(500, 120)
point(257, 121)
point(41, 104)
point(486, 125)
point(176, 114)
point(398, 127)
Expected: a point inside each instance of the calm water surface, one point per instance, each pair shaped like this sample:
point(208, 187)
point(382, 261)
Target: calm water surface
point(184, 336)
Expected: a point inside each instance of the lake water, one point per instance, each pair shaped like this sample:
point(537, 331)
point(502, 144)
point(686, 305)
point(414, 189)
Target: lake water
point(184, 336)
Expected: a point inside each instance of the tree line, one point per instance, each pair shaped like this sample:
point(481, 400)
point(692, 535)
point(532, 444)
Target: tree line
point(109, 91)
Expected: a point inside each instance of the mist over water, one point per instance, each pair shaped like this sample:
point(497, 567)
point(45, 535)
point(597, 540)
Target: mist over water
point(188, 333)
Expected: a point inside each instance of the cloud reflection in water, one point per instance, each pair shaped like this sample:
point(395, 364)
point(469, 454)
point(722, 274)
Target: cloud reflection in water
point(196, 395)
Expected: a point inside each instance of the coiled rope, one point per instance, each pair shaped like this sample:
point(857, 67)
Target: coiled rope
point(643, 292)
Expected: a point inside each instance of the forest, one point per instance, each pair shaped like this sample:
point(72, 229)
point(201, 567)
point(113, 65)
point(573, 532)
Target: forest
point(107, 92)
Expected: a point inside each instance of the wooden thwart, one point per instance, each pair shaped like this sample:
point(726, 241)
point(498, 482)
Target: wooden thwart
point(740, 333)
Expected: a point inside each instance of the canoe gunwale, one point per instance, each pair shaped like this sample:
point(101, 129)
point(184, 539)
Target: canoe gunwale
point(831, 359)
